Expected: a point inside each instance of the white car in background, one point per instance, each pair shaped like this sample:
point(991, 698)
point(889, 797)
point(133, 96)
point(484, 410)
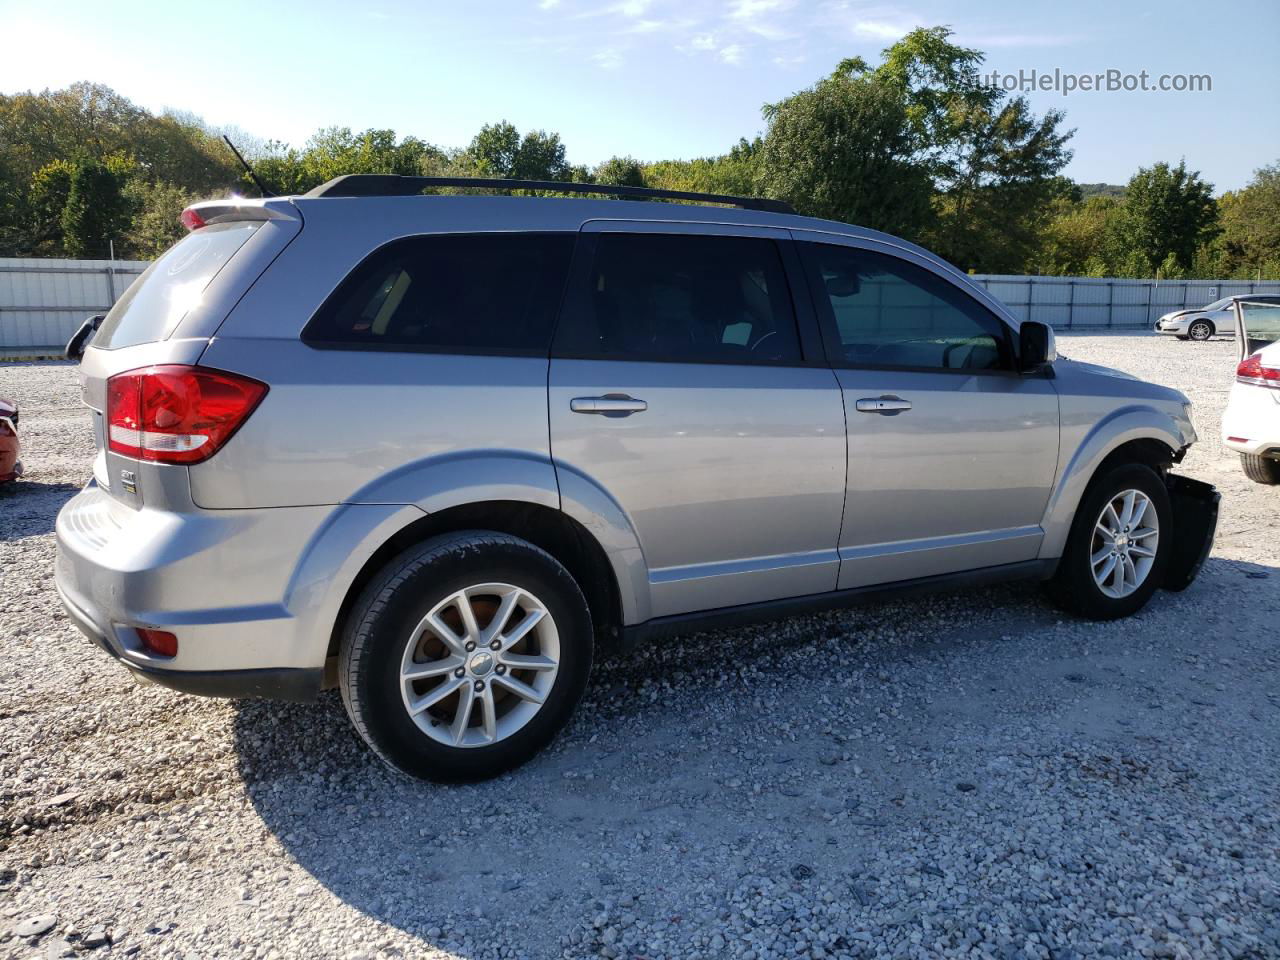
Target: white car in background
point(1251, 424)
point(1216, 318)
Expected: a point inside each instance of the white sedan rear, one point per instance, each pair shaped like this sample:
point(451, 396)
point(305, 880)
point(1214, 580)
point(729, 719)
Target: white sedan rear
point(1251, 424)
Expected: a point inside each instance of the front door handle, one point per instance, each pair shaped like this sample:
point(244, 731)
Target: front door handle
point(888, 405)
point(610, 405)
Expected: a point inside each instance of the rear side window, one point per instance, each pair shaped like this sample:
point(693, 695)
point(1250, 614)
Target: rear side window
point(711, 299)
point(475, 293)
point(888, 312)
point(155, 304)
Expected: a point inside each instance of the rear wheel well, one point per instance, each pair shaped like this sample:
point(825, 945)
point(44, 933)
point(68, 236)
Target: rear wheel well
point(552, 530)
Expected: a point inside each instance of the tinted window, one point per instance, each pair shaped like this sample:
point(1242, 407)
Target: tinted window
point(890, 313)
point(156, 302)
point(697, 298)
point(474, 293)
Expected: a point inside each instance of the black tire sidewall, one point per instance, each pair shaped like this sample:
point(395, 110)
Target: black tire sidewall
point(371, 672)
point(1075, 577)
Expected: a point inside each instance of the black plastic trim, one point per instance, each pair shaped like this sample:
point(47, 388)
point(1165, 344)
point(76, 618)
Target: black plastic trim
point(749, 613)
point(1195, 523)
point(300, 684)
point(390, 185)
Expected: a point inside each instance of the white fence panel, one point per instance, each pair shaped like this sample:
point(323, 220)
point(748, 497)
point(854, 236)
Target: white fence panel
point(42, 302)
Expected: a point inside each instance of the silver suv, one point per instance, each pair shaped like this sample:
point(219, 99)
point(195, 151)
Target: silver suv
point(435, 449)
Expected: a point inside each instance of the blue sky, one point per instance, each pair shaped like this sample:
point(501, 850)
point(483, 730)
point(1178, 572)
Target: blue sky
point(651, 78)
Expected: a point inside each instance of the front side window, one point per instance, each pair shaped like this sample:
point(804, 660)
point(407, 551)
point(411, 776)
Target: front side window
point(471, 293)
point(710, 299)
point(888, 312)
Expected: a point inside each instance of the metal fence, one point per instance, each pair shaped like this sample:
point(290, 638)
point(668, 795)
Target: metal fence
point(42, 302)
point(1093, 303)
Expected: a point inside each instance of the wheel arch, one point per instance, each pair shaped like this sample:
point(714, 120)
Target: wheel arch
point(550, 529)
point(1141, 435)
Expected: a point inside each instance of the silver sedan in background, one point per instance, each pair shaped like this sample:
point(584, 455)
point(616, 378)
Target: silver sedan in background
point(1215, 319)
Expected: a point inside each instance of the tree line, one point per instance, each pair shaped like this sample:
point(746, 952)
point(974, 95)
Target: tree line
point(916, 145)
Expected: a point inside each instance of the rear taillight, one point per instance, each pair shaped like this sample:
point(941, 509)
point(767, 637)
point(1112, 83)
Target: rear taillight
point(177, 414)
point(191, 219)
point(1252, 371)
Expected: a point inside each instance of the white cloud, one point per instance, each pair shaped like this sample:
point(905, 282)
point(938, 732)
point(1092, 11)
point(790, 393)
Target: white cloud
point(792, 61)
point(732, 53)
point(607, 59)
point(753, 9)
point(548, 4)
point(631, 8)
point(703, 41)
point(882, 29)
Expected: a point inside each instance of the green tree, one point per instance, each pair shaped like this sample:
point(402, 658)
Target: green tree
point(620, 171)
point(156, 225)
point(842, 149)
point(96, 211)
point(47, 198)
point(994, 164)
point(498, 150)
point(1074, 234)
point(1251, 226)
point(1166, 211)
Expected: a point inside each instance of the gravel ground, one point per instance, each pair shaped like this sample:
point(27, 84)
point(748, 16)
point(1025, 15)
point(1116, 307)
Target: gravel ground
point(966, 775)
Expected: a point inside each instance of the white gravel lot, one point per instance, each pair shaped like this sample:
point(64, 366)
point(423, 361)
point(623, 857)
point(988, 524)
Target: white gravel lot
point(966, 775)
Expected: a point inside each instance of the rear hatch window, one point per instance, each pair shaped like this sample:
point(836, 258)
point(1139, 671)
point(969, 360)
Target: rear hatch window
point(155, 304)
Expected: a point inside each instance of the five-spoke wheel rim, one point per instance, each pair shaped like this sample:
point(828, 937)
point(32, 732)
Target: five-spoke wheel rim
point(479, 665)
point(1125, 540)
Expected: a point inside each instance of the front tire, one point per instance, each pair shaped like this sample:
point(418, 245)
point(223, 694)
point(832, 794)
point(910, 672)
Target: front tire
point(1260, 469)
point(1118, 546)
point(465, 656)
point(1200, 331)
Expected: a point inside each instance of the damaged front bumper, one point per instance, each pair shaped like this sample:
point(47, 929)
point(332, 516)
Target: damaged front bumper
point(1195, 521)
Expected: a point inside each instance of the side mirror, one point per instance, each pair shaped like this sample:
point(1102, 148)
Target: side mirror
point(80, 339)
point(1036, 346)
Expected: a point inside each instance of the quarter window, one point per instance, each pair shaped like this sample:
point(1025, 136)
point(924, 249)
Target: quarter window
point(711, 299)
point(474, 293)
point(888, 312)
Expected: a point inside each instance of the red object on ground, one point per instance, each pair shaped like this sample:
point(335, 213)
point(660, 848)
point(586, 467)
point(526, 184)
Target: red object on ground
point(10, 465)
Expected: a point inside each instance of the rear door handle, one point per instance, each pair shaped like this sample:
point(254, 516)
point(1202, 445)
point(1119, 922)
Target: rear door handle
point(887, 405)
point(610, 405)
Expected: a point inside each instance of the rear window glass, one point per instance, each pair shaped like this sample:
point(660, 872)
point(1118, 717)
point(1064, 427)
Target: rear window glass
point(472, 293)
point(155, 304)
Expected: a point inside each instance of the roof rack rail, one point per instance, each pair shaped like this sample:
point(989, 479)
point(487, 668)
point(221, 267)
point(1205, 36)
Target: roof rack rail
point(391, 185)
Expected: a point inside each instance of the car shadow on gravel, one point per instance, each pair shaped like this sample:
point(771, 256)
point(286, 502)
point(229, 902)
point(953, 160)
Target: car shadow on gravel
point(654, 788)
point(30, 507)
point(553, 834)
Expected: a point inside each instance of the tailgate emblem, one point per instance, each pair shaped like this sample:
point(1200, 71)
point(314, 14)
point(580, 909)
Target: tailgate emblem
point(129, 481)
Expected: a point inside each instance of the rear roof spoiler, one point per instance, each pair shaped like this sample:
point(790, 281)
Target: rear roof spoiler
point(236, 209)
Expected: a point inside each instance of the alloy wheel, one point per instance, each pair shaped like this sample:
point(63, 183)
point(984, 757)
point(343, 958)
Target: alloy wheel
point(1125, 540)
point(479, 665)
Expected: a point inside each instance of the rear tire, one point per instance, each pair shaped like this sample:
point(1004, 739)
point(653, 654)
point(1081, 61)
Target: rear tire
point(1260, 469)
point(1200, 331)
point(1096, 576)
point(465, 656)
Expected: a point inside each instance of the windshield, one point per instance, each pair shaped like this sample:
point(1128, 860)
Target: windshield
point(158, 300)
point(1218, 304)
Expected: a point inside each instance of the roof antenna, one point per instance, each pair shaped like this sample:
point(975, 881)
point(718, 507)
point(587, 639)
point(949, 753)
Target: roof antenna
point(247, 169)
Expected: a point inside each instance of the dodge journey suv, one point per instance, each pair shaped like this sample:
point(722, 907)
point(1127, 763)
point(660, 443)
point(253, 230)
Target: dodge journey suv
point(435, 449)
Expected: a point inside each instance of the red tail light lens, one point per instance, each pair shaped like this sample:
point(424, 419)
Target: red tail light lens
point(191, 219)
point(161, 643)
point(177, 414)
point(1252, 371)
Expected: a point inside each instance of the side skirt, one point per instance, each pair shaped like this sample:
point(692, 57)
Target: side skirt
point(727, 617)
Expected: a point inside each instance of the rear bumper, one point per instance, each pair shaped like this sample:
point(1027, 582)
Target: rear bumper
point(219, 580)
point(280, 683)
point(1251, 423)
